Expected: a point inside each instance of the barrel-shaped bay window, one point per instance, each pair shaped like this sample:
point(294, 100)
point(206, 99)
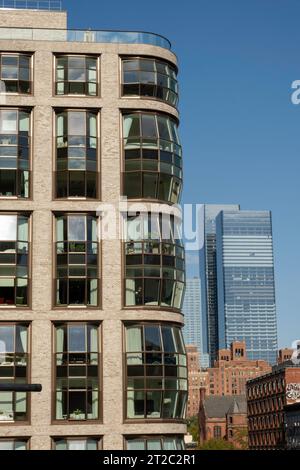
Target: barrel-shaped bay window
point(77, 264)
point(77, 371)
point(156, 372)
point(14, 368)
point(76, 75)
point(77, 162)
point(15, 73)
point(152, 157)
point(14, 260)
point(150, 78)
point(154, 261)
point(15, 148)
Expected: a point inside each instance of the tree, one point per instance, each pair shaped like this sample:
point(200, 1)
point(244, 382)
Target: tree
point(240, 436)
point(217, 444)
point(193, 428)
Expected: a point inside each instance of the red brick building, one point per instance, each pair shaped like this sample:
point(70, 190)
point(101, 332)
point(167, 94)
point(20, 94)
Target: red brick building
point(194, 380)
point(220, 417)
point(232, 369)
point(270, 399)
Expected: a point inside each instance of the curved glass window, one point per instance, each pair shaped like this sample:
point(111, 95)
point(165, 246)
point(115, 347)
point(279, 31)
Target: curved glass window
point(77, 277)
point(154, 253)
point(77, 165)
point(152, 157)
point(15, 73)
point(153, 442)
point(14, 369)
point(15, 142)
point(77, 366)
point(77, 75)
point(14, 260)
point(156, 378)
point(150, 78)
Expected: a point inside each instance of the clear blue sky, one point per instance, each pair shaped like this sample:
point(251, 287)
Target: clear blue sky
point(240, 132)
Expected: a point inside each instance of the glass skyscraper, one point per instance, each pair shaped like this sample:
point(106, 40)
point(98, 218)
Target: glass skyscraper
point(192, 330)
point(208, 278)
point(245, 282)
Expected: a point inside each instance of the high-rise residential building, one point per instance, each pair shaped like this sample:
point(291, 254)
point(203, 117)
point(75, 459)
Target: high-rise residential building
point(88, 117)
point(208, 278)
point(232, 369)
point(245, 283)
point(192, 331)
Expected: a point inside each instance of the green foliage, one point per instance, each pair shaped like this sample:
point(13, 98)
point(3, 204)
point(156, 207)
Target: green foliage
point(241, 438)
point(193, 428)
point(217, 444)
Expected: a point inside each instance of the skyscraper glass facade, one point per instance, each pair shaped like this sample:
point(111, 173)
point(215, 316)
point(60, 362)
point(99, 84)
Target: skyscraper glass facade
point(208, 278)
point(192, 331)
point(245, 282)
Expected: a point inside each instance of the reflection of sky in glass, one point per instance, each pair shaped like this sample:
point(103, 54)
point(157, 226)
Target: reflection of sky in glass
point(77, 339)
point(77, 228)
point(8, 227)
point(6, 339)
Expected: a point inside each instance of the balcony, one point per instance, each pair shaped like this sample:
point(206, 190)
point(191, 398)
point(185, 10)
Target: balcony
point(84, 36)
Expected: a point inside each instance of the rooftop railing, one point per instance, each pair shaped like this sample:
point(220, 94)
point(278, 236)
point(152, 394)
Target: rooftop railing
point(55, 5)
point(90, 36)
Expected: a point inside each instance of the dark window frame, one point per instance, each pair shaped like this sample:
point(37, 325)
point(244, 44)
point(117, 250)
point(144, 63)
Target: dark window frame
point(166, 363)
point(17, 81)
point(67, 84)
point(150, 89)
point(15, 377)
point(66, 363)
point(162, 168)
point(89, 246)
point(63, 145)
point(22, 142)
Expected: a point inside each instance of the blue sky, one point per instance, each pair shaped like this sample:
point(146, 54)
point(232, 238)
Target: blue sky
point(239, 129)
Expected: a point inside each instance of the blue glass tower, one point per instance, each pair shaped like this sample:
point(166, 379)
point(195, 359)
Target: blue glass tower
point(192, 331)
point(245, 282)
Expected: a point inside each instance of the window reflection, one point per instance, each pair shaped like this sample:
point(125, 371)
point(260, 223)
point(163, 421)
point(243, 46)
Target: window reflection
point(154, 261)
point(14, 369)
point(151, 78)
point(15, 73)
point(152, 157)
point(77, 154)
point(76, 75)
point(153, 442)
point(156, 374)
point(77, 279)
point(77, 359)
point(14, 153)
point(76, 443)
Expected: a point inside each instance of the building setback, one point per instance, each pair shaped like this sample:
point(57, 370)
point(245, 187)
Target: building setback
point(85, 118)
point(232, 369)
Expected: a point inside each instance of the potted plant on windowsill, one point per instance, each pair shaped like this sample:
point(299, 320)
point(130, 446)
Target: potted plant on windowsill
point(78, 414)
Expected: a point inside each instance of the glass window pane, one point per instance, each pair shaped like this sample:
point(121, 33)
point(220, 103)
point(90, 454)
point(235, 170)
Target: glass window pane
point(132, 125)
point(134, 340)
point(76, 123)
point(168, 339)
point(136, 444)
point(77, 228)
point(149, 126)
point(152, 338)
point(154, 444)
point(8, 122)
point(7, 339)
point(77, 338)
point(8, 227)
